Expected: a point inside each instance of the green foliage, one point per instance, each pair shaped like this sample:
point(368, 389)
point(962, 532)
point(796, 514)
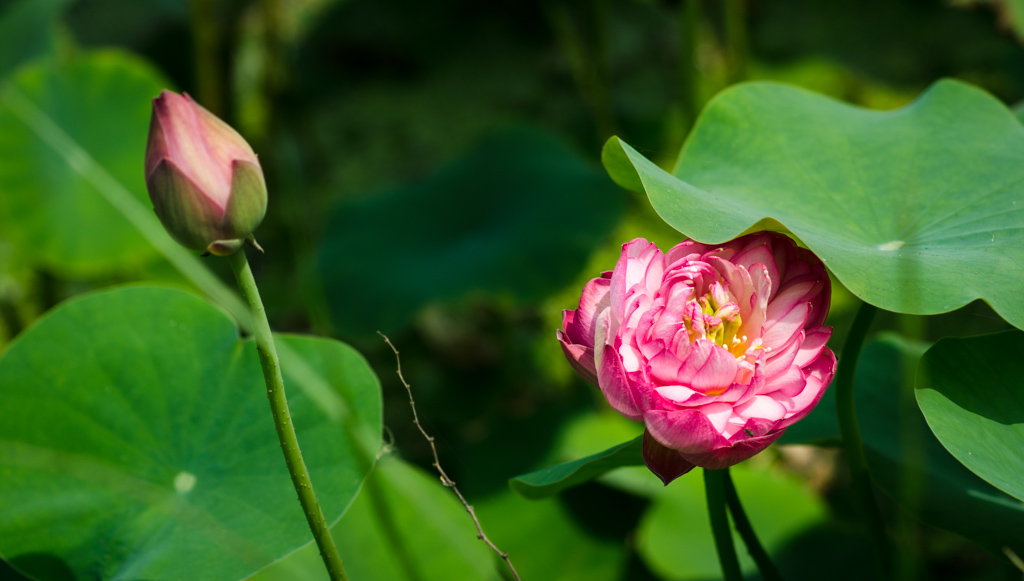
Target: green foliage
point(897, 204)
point(907, 461)
point(546, 541)
point(50, 207)
point(341, 97)
point(404, 526)
point(26, 31)
point(675, 535)
point(516, 216)
point(552, 480)
point(910, 464)
point(971, 395)
point(138, 444)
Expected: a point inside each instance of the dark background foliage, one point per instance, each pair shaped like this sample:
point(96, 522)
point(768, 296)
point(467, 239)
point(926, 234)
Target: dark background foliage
point(434, 174)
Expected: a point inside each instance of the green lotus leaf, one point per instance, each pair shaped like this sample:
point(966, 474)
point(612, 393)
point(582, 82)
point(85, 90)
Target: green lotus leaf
point(971, 393)
point(72, 142)
point(137, 441)
point(918, 210)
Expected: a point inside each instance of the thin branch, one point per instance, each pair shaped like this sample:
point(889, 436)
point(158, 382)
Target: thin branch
point(445, 480)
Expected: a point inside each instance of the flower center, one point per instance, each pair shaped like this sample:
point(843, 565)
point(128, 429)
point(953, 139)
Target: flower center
point(716, 317)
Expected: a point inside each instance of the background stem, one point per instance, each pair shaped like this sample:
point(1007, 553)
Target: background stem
point(206, 46)
point(736, 39)
point(689, 26)
point(739, 517)
point(714, 489)
point(283, 419)
point(852, 442)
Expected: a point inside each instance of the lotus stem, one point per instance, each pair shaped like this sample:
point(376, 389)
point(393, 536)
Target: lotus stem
point(853, 444)
point(736, 38)
point(714, 488)
point(689, 25)
point(283, 419)
point(739, 517)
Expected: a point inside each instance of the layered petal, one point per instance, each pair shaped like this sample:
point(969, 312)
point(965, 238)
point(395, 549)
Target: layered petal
point(716, 348)
point(611, 376)
point(734, 453)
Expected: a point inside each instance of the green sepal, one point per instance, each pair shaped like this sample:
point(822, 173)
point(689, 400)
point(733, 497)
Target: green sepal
point(187, 214)
point(248, 202)
point(224, 247)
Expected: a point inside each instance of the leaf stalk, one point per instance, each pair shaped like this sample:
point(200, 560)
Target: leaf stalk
point(282, 417)
point(714, 489)
point(853, 444)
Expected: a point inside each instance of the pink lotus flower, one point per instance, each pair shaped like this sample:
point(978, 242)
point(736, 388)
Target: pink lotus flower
point(203, 178)
point(716, 348)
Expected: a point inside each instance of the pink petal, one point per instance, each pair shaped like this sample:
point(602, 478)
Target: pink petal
point(611, 377)
point(754, 428)
point(594, 299)
point(665, 463)
point(677, 393)
point(686, 430)
point(791, 294)
point(731, 453)
point(684, 395)
point(819, 376)
point(814, 341)
point(780, 360)
point(778, 332)
point(200, 144)
point(629, 271)
point(686, 248)
point(581, 359)
point(654, 274)
point(755, 316)
point(764, 407)
point(737, 280)
point(762, 255)
point(718, 413)
point(665, 368)
point(786, 384)
point(708, 367)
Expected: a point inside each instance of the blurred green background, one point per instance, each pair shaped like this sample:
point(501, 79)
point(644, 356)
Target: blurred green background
point(434, 174)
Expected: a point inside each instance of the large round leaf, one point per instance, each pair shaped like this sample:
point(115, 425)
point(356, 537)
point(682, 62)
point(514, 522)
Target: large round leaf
point(60, 123)
point(515, 216)
point(918, 210)
point(137, 441)
point(972, 395)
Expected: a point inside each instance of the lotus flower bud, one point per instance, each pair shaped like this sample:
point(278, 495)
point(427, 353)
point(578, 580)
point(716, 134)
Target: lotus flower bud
point(717, 349)
point(204, 180)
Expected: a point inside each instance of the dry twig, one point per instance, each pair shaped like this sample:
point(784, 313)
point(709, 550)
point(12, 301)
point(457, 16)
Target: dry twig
point(448, 482)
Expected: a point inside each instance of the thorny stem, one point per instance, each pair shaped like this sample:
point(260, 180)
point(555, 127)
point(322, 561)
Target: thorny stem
point(283, 419)
point(853, 444)
point(764, 561)
point(445, 480)
point(714, 489)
